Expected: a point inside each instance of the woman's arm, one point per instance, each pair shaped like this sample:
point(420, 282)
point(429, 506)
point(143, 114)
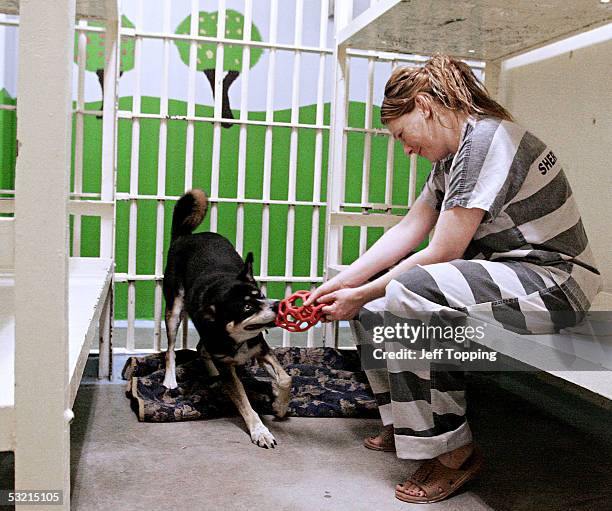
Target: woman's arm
point(388, 249)
point(454, 231)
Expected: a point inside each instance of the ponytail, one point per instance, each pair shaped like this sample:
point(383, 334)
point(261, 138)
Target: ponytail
point(449, 82)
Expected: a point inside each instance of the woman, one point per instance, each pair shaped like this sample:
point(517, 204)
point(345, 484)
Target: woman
point(508, 239)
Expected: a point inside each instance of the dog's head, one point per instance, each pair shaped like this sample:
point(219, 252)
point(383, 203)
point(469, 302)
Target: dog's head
point(241, 308)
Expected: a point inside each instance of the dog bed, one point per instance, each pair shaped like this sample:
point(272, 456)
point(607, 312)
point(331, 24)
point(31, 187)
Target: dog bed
point(326, 383)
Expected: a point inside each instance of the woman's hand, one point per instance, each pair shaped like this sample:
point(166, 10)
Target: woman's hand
point(328, 287)
point(344, 303)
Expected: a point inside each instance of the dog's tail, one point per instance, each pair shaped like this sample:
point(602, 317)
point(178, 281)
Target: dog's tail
point(189, 212)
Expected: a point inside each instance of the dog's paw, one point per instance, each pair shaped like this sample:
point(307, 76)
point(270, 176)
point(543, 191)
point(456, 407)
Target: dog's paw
point(170, 381)
point(261, 436)
point(280, 404)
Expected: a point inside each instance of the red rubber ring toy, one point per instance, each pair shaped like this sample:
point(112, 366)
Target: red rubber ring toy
point(298, 318)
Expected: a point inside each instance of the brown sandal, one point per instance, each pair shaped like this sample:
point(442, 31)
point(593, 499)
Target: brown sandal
point(437, 481)
point(386, 445)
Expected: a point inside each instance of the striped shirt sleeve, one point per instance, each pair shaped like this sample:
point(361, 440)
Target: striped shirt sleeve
point(433, 189)
point(480, 169)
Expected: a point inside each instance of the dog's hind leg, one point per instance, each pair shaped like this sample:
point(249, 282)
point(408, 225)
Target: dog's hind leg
point(260, 435)
point(173, 317)
point(281, 384)
point(211, 368)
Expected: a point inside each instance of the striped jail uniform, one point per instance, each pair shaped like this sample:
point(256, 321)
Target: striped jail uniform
point(530, 254)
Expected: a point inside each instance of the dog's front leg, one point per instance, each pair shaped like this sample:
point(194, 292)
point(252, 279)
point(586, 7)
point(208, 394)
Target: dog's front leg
point(281, 385)
point(260, 435)
point(173, 320)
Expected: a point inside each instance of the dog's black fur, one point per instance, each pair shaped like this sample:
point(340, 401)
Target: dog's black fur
point(206, 278)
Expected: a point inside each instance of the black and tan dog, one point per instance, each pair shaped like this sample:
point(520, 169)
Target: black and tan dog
point(207, 279)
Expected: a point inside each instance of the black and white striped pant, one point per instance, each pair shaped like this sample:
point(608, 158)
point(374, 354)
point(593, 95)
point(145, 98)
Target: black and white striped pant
point(427, 406)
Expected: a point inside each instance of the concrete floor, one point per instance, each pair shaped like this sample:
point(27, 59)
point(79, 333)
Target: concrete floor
point(534, 462)
point(547, 450)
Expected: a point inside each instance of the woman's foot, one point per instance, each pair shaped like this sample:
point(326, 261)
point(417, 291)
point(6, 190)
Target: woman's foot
point(384, 441)
point(456, 458)
point(438, 478)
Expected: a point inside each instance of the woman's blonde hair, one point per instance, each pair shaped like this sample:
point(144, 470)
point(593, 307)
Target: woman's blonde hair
point(448, 82)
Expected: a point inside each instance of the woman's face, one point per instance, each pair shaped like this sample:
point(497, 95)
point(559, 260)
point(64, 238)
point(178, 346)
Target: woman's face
point(419, 133)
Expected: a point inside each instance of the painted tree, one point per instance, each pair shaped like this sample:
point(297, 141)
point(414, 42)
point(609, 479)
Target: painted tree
point(94, 60)
point(207, 52)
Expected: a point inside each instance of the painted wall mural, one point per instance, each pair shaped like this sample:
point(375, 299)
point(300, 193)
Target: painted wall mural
point(150, 86)
point(207, 52)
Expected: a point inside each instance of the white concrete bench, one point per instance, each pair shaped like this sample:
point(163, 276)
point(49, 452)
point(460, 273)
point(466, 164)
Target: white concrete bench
point(89, 291)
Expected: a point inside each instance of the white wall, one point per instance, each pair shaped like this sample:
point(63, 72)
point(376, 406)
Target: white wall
point(564, 95)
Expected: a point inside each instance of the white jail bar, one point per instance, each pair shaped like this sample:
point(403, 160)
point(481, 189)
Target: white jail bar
point(343, 13)
point(412, 179)
point(242, 141)
point(367, 151)
point(217, 90)
point(127, 277)
point(318, 161)
point(108, 185)
point(130, 115)
point(135, 152)
point(389, 170)
point(267, 168)
point(191, 86)
point(225, 40)
point(194, 29)
point(129, 197)
point(161, 181)
point(79, 136)
point(5, 22)
point(293, 148)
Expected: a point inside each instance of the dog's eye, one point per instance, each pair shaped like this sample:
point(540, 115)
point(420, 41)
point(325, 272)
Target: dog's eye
point(248, 308)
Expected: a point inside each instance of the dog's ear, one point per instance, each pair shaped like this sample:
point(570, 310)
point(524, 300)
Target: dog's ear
point(246, 273)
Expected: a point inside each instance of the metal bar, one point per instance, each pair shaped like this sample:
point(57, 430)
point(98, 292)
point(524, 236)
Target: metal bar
point(373, 131)
point(109, 136)
point(191, 79)
point(372, 205)
point(390, 167)
point(367, 152)
point(103, 209)
point(359, 219)
point(140, 34)
point(213, 200)
point(161, 180)
point(318, 161)
point(412, 180)
point(217, 90)
point(404, 58)
point(293, 148)
point(190, 133)
point(130, 115)
point(242, 141)
point(105, 337)
point(267, 167)
point(129, 277)
point(100, 208)
point(337, 158)
point(79, 137)
point(133, 213)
